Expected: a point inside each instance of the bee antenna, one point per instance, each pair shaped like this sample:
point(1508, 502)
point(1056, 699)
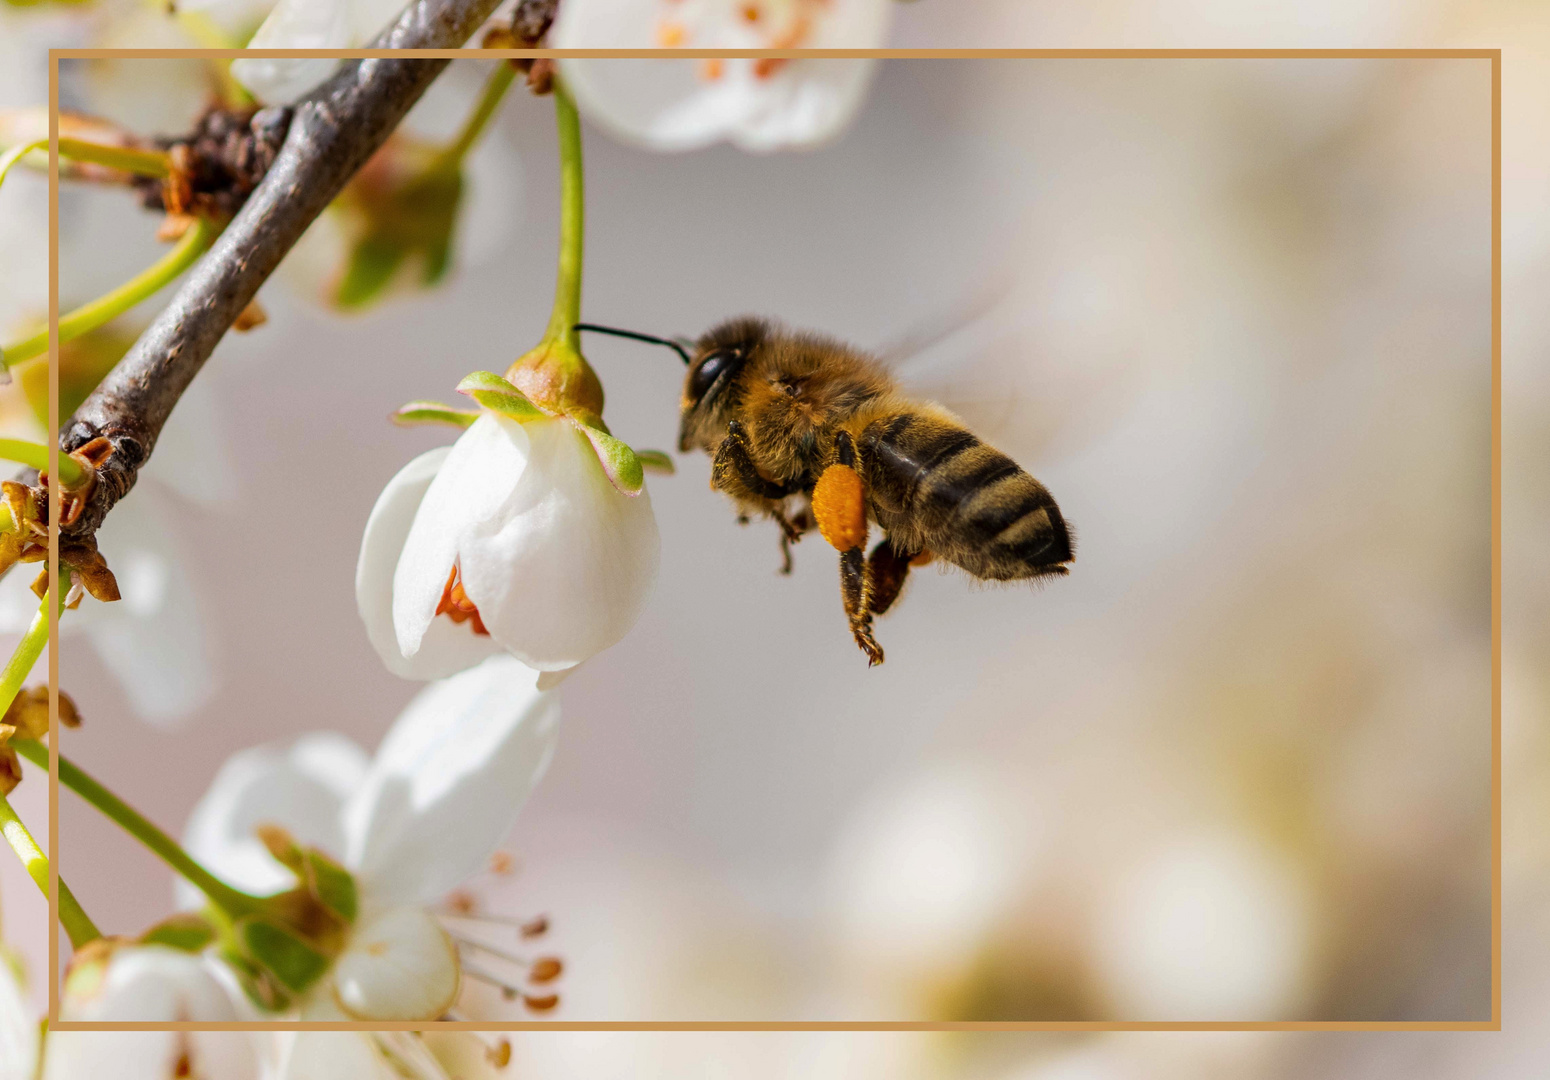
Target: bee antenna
point(677, 347)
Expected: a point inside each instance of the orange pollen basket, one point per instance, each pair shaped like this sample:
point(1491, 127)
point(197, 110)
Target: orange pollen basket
point(456, 605)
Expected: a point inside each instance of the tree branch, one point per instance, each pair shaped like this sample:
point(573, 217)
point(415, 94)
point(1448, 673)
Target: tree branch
point(332, 132)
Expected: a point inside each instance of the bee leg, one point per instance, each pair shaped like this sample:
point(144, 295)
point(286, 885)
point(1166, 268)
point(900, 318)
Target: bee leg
point(791, 530)
point(853, 589)
point(734, 471)
point(887, 571)
point(839, 508)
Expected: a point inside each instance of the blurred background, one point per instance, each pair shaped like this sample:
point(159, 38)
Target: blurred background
point(1235, 314)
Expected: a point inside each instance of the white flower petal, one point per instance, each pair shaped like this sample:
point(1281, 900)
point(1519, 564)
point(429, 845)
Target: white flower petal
point(152, 1055)
point(673, 105)
point(548, 680)
point(18, 1025)
point(331, 1055)
point(309, 24)
point(804, 105)
point(566, 565)
point(368, 18)
point(448, 781)
point(294, 24)
point(302, 789)
point(400, 965)
point(446, 647)
point(153, 983)
point(479, 472)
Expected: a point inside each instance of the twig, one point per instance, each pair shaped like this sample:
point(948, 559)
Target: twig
point(332, 133)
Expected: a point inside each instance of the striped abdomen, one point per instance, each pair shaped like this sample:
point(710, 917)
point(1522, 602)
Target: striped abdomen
point(934, 485)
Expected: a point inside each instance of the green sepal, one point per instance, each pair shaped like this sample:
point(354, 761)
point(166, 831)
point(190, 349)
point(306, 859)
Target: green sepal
point(187, 932)
point(331, 884)
point(294, 963)
point(409, 221)
point(262, 989)
point(498, 395)
point(371, 267)
point(656, 461)
point(620, 464)
point(433, 412)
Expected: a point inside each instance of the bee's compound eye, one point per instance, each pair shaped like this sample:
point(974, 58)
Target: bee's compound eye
point(710, 369)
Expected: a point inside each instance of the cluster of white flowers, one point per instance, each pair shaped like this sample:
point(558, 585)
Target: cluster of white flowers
point(490, 568)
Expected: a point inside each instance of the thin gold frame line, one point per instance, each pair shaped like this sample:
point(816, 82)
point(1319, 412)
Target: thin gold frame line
point(793, 1025)
point(1494, 56)
point(53, 540)
point(780, 54)
point(1496, 538)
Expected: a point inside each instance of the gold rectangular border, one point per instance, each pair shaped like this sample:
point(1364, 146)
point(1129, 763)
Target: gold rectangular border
point(1494, 55)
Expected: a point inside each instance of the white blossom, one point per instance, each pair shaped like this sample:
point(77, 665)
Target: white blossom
point(309, 24)
point(427, 812)
point(757, 104)
point(516, 532)
point(153, 984)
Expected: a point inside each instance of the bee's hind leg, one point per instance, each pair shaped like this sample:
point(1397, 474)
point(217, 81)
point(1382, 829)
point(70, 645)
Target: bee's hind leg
point(854, 590)
point(887, 571)
point(839, 508)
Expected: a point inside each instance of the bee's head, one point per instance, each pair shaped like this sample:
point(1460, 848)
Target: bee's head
point(710, 392)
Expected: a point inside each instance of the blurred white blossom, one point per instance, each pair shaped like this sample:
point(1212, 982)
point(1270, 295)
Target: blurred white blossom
point(1204, 928)
point(758, 104)
point(308, 24)
point(111, 982)
point(410, 824)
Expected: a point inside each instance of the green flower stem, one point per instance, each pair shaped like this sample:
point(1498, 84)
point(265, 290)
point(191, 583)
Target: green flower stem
point(123, 158)
point(71, 916)
point(16, 153)
point(494, 90)
point(36, 455)
point(231, 901)
point(26, 655)
point(567, 287)
point(201, 233)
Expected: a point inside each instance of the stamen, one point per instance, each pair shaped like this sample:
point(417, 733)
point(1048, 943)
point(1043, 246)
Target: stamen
point(542, 970)
point(497, 1051)
point(407, 1053)
point(484, 975)
point(503, 862)
point(499, 1055)
point(530, 928)
point(710, 70)
point(456, 605)
point(751, 12)
point(671, 34)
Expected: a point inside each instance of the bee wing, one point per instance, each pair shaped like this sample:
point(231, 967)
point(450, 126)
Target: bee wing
point(974, 364)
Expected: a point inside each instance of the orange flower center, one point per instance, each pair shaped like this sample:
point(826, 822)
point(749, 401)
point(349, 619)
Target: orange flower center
point(456, 605)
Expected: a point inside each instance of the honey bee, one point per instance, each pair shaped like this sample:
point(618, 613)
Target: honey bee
point(806, 431)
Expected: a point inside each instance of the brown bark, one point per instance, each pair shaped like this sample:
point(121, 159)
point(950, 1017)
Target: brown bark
point(332, 133)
